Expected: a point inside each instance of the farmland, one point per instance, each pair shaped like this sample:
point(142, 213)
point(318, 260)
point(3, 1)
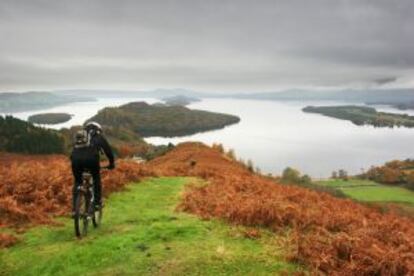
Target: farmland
point(370, 191)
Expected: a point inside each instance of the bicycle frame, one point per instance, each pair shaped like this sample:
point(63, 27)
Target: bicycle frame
point(87, 187)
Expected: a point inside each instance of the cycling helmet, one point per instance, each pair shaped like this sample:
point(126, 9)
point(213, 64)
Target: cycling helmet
point(94, 126)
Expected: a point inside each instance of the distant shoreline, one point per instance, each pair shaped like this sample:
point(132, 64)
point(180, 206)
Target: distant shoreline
point(362, 115)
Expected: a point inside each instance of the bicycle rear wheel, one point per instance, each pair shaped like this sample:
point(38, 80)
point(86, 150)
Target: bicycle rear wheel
point(81, 214)
point(97, 217)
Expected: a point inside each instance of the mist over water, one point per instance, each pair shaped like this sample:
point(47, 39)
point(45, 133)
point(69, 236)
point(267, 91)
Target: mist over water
point(275, 135)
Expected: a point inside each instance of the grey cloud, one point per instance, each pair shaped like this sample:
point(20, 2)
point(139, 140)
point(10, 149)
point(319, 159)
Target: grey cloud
point(222, 45)
point(385, 80)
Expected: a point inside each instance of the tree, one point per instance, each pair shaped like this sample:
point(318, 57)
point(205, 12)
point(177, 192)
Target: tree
point(390, 176)
point(334, 175)
point(23, 137)
point(250, 165)
point(305, 179)
point(410, 180)
point(342, 174)
point(291, 175)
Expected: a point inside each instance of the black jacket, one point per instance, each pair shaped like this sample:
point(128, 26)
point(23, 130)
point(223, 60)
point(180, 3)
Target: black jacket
point(98, 144)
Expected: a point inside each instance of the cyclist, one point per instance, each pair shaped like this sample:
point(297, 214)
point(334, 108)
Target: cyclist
point(89, 142)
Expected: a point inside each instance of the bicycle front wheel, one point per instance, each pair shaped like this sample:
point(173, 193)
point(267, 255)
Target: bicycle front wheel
point(81, 214)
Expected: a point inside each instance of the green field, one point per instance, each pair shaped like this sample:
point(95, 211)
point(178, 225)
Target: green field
point(143, 235)
point(369, 191)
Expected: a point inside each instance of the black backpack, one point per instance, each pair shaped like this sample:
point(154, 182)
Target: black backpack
point(82, 139)
point(84, 142)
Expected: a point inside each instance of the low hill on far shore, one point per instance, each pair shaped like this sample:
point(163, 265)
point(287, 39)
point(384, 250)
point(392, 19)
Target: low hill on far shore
point(180, 100)
point(17, 102)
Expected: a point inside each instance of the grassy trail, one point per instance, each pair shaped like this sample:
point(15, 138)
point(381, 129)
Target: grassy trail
point(143, 235)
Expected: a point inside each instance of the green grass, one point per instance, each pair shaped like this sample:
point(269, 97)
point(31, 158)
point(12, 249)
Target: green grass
point(143, 235)
point(350, 183)
point(369, 191)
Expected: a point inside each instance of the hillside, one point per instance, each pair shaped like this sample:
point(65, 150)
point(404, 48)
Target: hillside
point(324, 233)
point(328, 234)
point(361, 115)
point(142, 235)
point(167, 121)
point(23, 137)
point(15, 102)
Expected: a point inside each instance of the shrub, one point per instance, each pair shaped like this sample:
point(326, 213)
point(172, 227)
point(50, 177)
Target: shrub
point(410, 181)
point(231, 154)
point(219, 147)
point(290, 175)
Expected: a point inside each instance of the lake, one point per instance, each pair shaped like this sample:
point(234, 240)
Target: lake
point(275, 135)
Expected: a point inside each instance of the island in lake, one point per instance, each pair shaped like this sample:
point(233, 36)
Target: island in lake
point(49, 118)
point(156, 120)
point(362, 115)
point(180, 100)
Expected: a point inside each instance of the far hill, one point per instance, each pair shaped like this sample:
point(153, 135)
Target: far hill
point(400, 98)
point(167, 121)
point(180, 100)
point(156, 93)
point(15, 102)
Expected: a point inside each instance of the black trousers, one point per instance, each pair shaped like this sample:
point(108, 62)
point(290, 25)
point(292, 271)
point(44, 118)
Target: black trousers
point(81, 164)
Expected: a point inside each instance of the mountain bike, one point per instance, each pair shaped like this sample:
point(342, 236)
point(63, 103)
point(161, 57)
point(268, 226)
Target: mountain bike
point(85, 210)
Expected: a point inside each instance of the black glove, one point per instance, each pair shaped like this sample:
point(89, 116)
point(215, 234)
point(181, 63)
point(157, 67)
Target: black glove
point(111, 166)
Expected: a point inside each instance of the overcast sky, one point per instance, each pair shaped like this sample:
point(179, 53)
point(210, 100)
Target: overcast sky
point(206, 45)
